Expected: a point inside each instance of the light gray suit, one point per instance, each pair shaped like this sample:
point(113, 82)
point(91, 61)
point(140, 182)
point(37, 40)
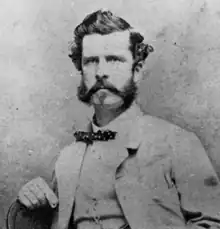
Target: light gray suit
point(161, 185)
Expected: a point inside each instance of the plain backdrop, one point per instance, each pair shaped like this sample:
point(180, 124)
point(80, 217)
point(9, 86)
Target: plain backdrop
point(38, 106)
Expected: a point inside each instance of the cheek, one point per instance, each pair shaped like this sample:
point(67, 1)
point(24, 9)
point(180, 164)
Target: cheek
point(119, 74)
point(89, 73)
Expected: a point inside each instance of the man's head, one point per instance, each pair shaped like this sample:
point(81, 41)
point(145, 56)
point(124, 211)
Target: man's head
point(109, 54)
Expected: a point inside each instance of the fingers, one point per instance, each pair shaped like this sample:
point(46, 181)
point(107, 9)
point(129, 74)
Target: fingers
point(37, 193)
point(25, 200)
point(29, 196)
point(36, 190)
point(49, 194)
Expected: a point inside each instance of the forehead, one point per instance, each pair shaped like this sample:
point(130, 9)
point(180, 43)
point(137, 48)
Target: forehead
point(114, 43)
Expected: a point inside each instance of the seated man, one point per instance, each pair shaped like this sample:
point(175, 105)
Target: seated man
point(126, 171)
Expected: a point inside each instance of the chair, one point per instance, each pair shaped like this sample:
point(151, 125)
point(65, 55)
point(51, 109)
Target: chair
point(19, 217)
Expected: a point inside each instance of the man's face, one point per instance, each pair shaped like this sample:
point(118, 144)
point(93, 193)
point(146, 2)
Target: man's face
point(107, 70)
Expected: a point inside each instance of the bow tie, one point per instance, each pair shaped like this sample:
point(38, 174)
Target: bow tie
point(100, 135)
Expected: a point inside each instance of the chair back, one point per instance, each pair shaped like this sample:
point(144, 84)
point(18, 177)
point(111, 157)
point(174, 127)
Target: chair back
point(19, 217)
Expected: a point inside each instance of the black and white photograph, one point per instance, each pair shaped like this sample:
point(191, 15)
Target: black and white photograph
point(110, 114)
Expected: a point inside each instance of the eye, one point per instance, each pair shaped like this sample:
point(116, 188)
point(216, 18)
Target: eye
point(89, 60)
point(115, 59)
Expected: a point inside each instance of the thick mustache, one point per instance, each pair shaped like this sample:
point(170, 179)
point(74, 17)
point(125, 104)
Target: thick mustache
point(103, 85)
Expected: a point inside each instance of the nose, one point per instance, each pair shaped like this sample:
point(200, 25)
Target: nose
point(101, 77)
point(101, 70)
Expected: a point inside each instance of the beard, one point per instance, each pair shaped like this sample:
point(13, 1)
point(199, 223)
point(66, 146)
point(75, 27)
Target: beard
point(128, 93)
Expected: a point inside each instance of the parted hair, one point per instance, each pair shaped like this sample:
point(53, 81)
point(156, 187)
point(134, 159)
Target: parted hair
point(103, 23)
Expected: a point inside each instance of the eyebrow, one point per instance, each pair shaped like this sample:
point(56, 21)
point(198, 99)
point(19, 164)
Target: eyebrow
point(89, 59)
point(116, 57)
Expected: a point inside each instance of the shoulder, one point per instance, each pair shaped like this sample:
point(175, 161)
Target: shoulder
point(74, 146)
point(68, 147)
point(70, 153)
point(159, 138)
point(152, 129)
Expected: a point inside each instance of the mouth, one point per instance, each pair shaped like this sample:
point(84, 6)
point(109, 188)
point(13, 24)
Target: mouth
point(102, 92)
point(103, 89)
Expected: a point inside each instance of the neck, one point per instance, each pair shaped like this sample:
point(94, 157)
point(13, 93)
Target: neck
point(104, 116)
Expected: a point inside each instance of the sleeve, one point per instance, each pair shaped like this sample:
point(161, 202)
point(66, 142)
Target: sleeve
point(53, 180)
point(198, 187)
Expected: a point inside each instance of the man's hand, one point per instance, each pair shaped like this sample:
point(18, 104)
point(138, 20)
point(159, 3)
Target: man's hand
point(37, 193)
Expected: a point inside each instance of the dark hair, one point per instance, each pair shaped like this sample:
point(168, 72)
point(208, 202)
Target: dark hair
point(104, 22)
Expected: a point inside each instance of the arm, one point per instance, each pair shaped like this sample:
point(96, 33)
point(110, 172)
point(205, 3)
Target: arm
point(146, 198)
point(198, 187)
point(38, 193)
point(169, 187)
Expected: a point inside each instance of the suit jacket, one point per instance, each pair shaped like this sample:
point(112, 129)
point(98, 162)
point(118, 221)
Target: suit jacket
point(161, 184)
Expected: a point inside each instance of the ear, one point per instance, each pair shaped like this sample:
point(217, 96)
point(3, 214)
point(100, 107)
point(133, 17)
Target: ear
point(75, 55)
point(141, 53)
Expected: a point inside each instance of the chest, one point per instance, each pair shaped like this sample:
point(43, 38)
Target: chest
point(99, 167)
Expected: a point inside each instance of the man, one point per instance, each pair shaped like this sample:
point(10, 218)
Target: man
point(125, 171)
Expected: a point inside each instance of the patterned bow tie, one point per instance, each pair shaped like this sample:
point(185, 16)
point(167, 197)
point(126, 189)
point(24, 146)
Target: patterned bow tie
point(100, 135)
